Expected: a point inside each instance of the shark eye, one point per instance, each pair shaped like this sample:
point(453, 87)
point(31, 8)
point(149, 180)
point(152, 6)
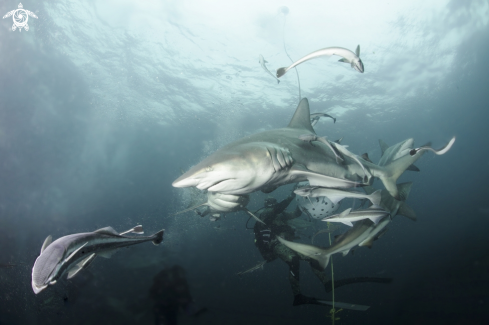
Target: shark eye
point(208, 169)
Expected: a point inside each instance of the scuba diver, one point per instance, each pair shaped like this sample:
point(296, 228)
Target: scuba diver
point(275, 217)
point(170, 293)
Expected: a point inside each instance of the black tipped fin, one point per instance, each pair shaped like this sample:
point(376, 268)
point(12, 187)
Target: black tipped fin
point(413, 168)
point(365, 157)
point(158, 237)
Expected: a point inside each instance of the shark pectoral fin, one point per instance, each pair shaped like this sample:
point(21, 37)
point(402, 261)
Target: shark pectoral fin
point(367, 242)
point(375, 197)
point(74, 252)
point(413, 168)
point(108, 253)
point(376, 220)
point(343, 60)
point(136, 230)
point(346, 252)
point(348, 223)
point(345, 213)
point(46, 243)
point(407, 211)
point(80, 266)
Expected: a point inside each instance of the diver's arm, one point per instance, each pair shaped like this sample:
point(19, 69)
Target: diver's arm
point(280, 207)
point(292, 215)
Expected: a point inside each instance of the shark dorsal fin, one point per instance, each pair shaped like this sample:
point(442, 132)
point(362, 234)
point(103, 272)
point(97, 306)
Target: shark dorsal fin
point(107, 230)
point(46, 243)
point(383, 146)
point(301, 118)
point(357, 51)
point(404, 190)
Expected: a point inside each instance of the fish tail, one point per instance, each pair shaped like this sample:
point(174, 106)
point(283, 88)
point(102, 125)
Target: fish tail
point(375, 197)
point(158, 237)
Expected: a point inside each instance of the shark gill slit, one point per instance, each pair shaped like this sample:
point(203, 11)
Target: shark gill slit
point(296, 71)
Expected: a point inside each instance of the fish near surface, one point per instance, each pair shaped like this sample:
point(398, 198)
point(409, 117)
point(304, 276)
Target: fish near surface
point(75, 252)
point(267, 160)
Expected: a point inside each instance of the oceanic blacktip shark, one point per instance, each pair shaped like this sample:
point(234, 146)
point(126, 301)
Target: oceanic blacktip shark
point(262, 61)
point(75, 252)
point(218, 203)
point(375, 213)
point(347, 57)
point(267, 160)
point(393, 206)
point(316, 116)
point(336, 195)
point(363, 233)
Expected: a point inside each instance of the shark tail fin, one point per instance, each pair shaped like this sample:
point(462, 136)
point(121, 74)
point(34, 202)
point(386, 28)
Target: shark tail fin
point(190, 209)
point(407, 211)
point(158, 237)
point(393, 170)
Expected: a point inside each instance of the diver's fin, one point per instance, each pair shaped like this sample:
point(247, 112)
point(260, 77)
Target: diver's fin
point(47, 242)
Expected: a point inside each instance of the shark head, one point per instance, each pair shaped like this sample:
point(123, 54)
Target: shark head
point(46, 269)
point(241, 169)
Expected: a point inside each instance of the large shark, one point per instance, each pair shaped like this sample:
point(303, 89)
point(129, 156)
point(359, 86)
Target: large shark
point(267, 160)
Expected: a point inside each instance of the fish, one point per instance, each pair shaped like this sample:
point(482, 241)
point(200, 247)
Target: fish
point(374, 213)
point(262, 62)
point(342, 149)
point(316, 116)
point(73, 253)
point(394, 152)
point(269, 159)
point(312, 137)
point(258, 266)
point(393, 206)
point(363, 233)
point(331, 228)
point(336, 195)
point(438, 152)
point(223, 203)
point(347, 57)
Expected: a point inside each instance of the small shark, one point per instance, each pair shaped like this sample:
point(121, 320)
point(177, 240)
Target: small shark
point(75, 252)
point(394, 152)
point(316, 116)
point(262, 62)
point(347, 57)
point(393, 206)
point(337, 195)
point(374, 213)
point(267, 160)
point(363, 233)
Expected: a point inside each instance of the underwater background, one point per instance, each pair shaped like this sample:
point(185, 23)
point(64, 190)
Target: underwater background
point(104, 103)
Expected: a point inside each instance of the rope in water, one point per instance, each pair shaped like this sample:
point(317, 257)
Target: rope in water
point(297, 72)
point(333, 310)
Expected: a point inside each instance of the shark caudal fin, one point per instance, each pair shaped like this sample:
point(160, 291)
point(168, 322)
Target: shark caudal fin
point(301, 118)
point(317, 253)
point(158, 237)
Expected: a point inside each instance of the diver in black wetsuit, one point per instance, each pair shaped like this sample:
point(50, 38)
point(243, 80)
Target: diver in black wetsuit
point(275, 218)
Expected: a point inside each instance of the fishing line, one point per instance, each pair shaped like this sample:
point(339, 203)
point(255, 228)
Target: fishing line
point(285, 49)
point(333, 310)
point(246, 225)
